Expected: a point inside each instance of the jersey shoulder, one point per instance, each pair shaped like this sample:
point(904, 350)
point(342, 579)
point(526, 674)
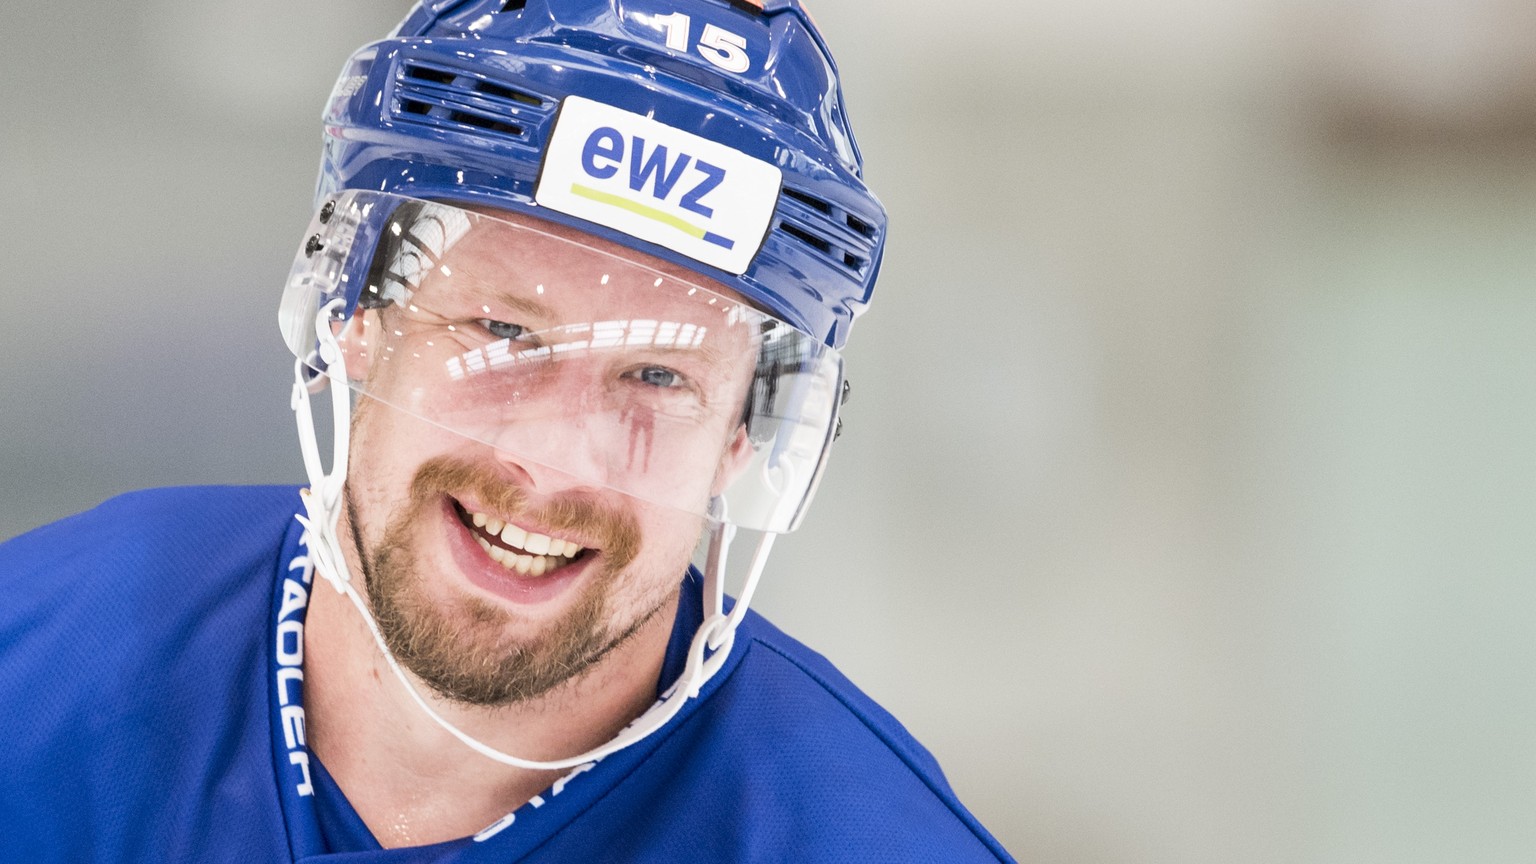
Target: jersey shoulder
point(149, 520)
point(882, 792)
point(134, 648)
point(140, 574)
point(786, 761)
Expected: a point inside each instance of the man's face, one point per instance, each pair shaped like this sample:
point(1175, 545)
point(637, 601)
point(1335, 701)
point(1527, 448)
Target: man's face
point(541, 430)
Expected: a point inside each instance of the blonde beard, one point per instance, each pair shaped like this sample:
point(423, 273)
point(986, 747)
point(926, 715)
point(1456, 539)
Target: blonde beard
point(462, 648)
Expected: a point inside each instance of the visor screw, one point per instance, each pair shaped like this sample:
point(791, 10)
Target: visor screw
point(312, 246)
point(847, 388)
point(327, 211)
point(837, 432)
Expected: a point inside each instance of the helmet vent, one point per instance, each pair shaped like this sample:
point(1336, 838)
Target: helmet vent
point(426, 73)
point(442, 96)
point(841, 238)
point(813, 203)
point(465, 118)
point(861, 226)
point(818, 243)
point(514, 5)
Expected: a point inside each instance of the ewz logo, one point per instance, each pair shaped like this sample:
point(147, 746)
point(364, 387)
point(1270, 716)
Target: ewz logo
point(653, 171)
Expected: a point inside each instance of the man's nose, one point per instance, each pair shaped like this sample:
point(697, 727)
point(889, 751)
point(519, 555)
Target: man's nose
point(554, 451)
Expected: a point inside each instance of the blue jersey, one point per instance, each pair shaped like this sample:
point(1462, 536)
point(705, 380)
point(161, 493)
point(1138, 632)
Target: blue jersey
point(150, 672)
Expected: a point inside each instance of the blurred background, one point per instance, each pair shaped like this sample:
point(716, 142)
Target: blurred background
point(1185, 503)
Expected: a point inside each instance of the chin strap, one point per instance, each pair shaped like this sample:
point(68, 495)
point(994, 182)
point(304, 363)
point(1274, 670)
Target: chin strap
point(322, 512)
point(323, 499)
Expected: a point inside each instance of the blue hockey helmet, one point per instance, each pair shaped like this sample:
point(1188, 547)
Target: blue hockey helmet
point(468, 100)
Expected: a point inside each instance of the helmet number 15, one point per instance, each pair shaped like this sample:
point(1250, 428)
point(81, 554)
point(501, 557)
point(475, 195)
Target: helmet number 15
point(721, 47)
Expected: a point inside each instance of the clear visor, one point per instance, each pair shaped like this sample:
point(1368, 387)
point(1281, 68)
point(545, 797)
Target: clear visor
point(570, 356)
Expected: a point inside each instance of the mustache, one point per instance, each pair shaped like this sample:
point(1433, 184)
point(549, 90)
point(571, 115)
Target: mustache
point(614, 531)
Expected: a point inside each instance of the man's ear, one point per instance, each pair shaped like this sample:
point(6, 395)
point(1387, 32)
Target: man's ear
point(352, 337)
point(733, 460)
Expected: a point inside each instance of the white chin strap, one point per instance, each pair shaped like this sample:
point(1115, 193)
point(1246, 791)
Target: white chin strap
point(323, 504)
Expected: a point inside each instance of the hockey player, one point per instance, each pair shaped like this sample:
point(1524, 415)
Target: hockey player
point(577, 283)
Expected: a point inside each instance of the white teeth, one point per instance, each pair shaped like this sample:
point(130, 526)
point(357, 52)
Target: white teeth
point(529, 542)
point(544, 553)
point(496, 552)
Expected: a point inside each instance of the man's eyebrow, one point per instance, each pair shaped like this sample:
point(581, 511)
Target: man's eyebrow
point(477, 288)
point(524, 305)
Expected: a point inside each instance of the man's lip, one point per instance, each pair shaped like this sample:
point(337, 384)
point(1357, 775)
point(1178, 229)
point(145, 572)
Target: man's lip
point(485, 573)
point(469, 507)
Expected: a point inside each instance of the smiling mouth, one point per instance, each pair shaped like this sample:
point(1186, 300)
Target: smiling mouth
point(516, 549)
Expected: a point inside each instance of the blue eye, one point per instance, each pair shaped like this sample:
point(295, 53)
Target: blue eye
point(503, 329)
point(658, 376)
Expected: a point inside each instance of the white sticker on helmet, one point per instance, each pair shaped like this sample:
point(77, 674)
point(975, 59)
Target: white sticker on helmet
point(651, 181)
